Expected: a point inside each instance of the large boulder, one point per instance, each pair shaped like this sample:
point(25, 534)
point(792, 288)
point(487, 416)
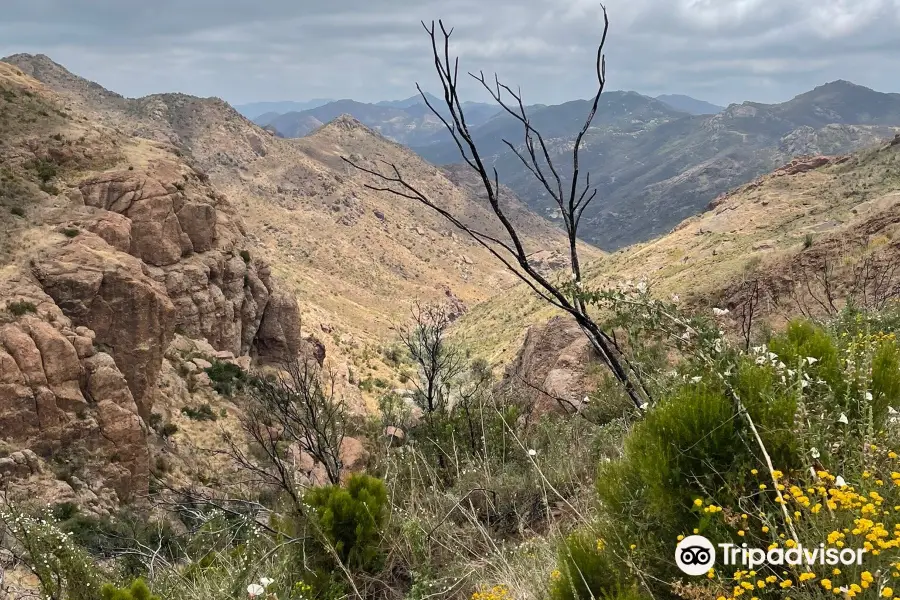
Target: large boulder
point(551, 370)
point(108, 292)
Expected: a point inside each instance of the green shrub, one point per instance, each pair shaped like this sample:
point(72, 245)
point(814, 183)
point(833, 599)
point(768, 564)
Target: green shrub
point(688, 443)
point(808, 240)
point(70, 232)
point(226, 377)
point(203, 413)
point(64, 511)
point(17, 211)
point(352, 519)
point(44, 169)
point(63, 568)
point(246, 256)
point(138, 590)
point(21, 307)
point(586, 570)
point(168, 430)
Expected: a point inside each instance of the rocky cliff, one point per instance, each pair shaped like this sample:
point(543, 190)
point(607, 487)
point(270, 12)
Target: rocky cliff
point(107, 261)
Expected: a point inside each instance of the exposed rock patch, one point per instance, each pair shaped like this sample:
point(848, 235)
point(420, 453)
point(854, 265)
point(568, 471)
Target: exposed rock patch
point(550, 370)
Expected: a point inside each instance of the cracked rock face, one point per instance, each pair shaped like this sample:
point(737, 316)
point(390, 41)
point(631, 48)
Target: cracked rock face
point(155, 252)
point(59, 396)
point(550, 370)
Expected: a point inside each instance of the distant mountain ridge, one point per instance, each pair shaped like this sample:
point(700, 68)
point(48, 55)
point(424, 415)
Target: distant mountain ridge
point(408, 121)
point(655, 166)
point(690, 105)
point(254, 110)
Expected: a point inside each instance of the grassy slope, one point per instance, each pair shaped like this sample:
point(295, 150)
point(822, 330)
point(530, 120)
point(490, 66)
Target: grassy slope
point(758, 226)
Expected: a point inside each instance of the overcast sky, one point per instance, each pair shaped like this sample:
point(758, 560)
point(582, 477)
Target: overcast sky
point(253, 50)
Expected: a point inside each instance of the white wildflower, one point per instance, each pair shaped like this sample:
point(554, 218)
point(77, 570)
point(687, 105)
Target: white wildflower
point(254, 590)
point(266, 582)
point(720, 312)
point(892, 410)
point(696, 379)
point(839, 481)
point(811, 360)
point(814, 452)
point(843, 419)
point(868, 396)
point(532, 452)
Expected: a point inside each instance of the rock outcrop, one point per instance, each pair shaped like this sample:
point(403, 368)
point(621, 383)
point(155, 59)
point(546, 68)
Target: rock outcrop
point(132, 258)
point(62, 399)
point(550, 372)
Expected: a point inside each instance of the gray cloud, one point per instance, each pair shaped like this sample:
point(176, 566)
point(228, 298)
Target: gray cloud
point(247, 50)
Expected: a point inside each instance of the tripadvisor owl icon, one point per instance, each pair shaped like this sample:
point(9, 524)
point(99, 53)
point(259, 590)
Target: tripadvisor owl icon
point(695, 555)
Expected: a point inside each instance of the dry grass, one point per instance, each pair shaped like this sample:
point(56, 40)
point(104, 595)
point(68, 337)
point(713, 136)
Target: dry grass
point(759, 226)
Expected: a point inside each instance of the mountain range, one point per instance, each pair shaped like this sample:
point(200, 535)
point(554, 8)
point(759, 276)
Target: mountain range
point(409, 121)
point(655, 166)
point(655, 161)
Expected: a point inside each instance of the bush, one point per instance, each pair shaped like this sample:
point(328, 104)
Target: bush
point(352, 519)
point(62, 568)
point(70, 232)
point(44, 169)
point(246, 256)
point(204, 413)
point(226, 377)
point(17, 211)
point(21, 307)
point(586, 570)
point(138, 590)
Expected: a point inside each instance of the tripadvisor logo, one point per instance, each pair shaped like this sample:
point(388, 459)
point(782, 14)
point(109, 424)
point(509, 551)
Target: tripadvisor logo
point(696, 555)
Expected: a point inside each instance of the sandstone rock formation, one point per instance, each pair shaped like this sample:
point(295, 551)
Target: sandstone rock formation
point(550, 372)
point(60, 397)
point(143, 254)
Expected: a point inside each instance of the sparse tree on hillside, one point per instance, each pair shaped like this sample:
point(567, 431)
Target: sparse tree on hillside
point(438, 362)
point(571, 194)
point(298, 407)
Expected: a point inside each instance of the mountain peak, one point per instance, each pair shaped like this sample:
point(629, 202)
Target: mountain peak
point(347, 121)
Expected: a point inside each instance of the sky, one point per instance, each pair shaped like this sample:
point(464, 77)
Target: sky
point(722, 51)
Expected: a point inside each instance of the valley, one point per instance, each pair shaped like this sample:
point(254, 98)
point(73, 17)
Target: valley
point(234, 365)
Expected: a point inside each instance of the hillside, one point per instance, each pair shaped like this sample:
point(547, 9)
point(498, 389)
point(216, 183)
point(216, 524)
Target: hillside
point(761, 230)
point(692, 106)
point(655, 166)
point(119, 265)
point(354, 259)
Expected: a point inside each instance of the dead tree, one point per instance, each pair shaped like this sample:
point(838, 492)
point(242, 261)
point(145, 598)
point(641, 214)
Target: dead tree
point(572, 197)
point(747, 309)
point(438, 362)
point(297, 407)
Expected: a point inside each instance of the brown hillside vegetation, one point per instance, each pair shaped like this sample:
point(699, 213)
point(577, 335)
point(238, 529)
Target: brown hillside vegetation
point(840, 208)
point(354, 258)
